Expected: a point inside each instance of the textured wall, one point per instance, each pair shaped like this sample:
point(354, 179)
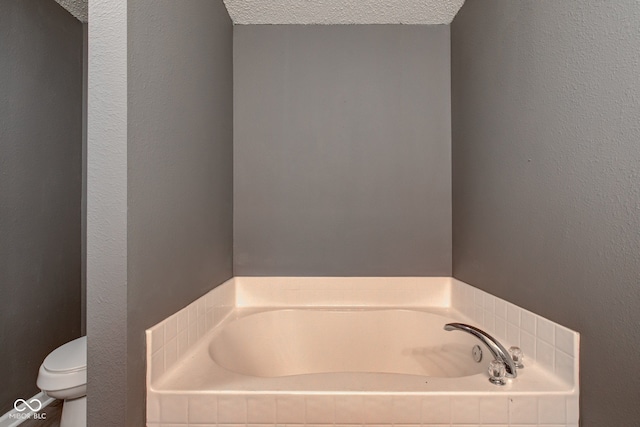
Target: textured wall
point(107, 214)
point(83, 211)
point(180, 160)
point(546, 174)
point(40, 188)
point(343, 11)
point(160, 181)
point(342, 150)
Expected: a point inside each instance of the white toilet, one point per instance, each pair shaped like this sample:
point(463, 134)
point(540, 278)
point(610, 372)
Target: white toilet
point(63, 375)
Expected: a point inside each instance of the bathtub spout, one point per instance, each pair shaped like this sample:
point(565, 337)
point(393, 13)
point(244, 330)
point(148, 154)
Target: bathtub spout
point(496, 349)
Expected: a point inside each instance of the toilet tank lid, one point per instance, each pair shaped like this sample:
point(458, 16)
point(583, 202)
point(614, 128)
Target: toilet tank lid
point(71, 356)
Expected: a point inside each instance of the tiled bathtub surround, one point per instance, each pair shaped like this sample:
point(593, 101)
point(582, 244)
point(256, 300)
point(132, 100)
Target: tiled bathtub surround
point(543, 342)
point(172, 344)
point(171, 339)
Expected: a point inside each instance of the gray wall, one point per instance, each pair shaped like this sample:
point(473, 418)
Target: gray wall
point(177, 189)
point(342, 150)
point(40, 188)
point(546, 172)
point(106, 321)
point(83, 211)
point(180, 163)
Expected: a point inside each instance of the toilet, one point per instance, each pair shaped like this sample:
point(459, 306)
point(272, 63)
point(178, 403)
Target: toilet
point(63, 375)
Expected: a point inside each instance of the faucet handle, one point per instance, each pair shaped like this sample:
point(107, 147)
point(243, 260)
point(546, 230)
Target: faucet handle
point(497, 372)
point(517, 355)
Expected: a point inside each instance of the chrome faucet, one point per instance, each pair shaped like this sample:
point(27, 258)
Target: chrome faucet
point(497, 350)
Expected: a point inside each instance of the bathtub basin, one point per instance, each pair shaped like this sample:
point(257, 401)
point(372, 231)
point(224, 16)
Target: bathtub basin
point(326, 350)
point(309, 341)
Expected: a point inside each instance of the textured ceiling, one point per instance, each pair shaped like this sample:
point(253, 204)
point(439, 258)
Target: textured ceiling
point(77, 8)
point(324, 11)
point(343, 11)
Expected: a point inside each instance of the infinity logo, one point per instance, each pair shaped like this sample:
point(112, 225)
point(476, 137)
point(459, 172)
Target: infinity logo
point(35, 408)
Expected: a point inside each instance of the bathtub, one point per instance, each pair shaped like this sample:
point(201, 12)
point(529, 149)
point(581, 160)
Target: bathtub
point(280, 343)
point(280, 352)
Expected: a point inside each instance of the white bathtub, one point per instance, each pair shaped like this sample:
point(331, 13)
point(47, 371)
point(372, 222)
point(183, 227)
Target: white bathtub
point(275, 354)
point(280, 343)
